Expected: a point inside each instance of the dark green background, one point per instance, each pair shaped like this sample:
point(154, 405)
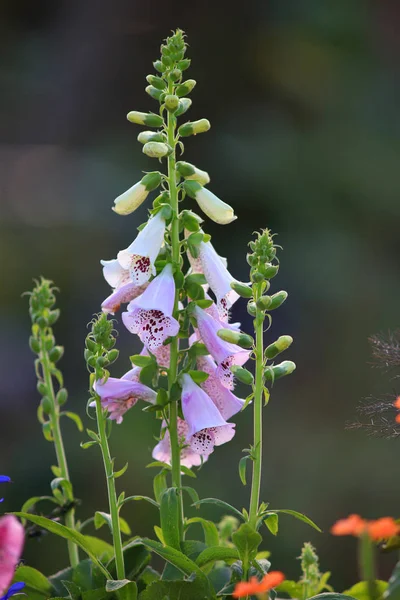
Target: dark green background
point(303, 98)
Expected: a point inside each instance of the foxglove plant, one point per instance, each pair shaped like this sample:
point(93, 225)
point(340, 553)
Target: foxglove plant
point(179, 295)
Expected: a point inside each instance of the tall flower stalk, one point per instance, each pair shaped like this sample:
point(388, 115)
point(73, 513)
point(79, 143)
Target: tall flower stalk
point(42, 342)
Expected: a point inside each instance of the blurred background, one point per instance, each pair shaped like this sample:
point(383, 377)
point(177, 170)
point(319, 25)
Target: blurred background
point(303, 98)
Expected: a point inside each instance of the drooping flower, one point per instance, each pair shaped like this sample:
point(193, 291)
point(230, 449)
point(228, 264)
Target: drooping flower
point(130, 200)
point(139, 258)
point(11, 545)
point(119, 395)
point(124, 288)
point(227, 403)
point(224, 353)
point(150, 315)
point(198, 409)
point(4, 479)
point(210, 204)
point(254, 587)
point(218, 278)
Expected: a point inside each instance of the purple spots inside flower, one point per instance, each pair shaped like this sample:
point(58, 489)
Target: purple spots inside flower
point(223, 309)
point(140, 268)
point(117, 407)
point(152, 326)
point(225, 374)
point(202, 442)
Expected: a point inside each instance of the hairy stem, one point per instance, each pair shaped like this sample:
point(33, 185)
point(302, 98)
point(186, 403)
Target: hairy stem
point(59, 445)
point(112, 494)
point(258, 399)
point(173, 368)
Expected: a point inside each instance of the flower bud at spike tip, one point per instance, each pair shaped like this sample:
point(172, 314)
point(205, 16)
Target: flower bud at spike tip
point(210, 204)
point(236, 337)
point(285, 368)
point(243, 375)
point(185, 88)
point(149, 119)
point(277, 300)
point(242, 289)
point(156, 149)
point(184, 105)
point(194, 127)
point(189, 171)
point(281, 344)
point(130, 200)
point(150, 136)
point(171, 102)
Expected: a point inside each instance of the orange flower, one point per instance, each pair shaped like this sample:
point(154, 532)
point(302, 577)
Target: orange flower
point(396, 403)
point(353, 525)
point(398, 418)
point(254, 587)
point(383, 528)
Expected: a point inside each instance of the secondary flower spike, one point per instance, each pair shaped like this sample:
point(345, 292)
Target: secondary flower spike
point(125, 289)
point(11, 545)
point(150, 315)
point(210, 204)
point(225, 354)
point(139, 258)
point(119, 395)
point(218, 278)
point(130, 200)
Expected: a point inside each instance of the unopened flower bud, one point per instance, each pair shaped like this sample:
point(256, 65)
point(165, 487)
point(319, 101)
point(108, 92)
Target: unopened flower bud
point(269, 271)
point(252, 309)
point(56, 353)
point(156, 149)
point(184, 64)
point(156, 82)
point(130, 200)
point(252, 260)
point(210, 204)
point(171, 102)
point(62, 396)
point(112, 355)
point(175, 74)
point(34, 344)
point(184, 105)
point(41, 388)
point(264, 302)
point(150, 136)
point(276, 372)
point(153, 92)
point(166, 60)
point(242, 289)
point(53, 316)
point(149, 119)
point(256, 276)
point(189, 171)
point(46, 405)
point(242, 374)
point(277, 300)
point(158, 65)
point(236, 337)
point(185, 88)
point(281, 344)
point(194, 127)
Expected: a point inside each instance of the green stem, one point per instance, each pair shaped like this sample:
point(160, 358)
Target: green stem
point(366, 561)
point(258, 398)
point(59, 445)
point(173, 368)
point(112, 494)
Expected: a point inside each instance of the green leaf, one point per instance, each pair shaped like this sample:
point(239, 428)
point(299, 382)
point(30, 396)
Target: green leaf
point(57, 579)
point(178, 590)
point(35, 500)
point(136, 498)
point(62, 483)
point(37, 585)
point(169, 516)
point(73, 590)
point(247, 541)
point(102, 518)
point(197, 278)
point(221, 504)
point(159, 485)
point(331, 596)
point(192, 493)
point(242, 468)
point(296, 515)
point(292, 588)
point(87, 576)
point(74, 417)
point(198, 376)
point(136, 559)
point(360, 590)
point(86, 543)
point(148, 374)
point(121, 471)
point(211, 536)
point(175, 557)
point(211, 555)
point(141, 361)
point(86, 445)
point(162, 397)
point(272, 522)
point(393, 591)
point(204, 303)
point(220, 577)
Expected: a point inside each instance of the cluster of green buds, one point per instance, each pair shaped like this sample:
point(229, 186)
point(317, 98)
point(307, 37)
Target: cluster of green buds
point(42, 342)
point(100, 352)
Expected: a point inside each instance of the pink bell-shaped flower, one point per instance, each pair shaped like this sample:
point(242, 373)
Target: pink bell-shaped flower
point(227, 403)
point(198, 409)
point(150, 315)
point(11, 545)
point(124, 289)
point(119, 395)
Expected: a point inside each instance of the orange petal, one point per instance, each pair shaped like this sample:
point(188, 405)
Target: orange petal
point(383, 528)
point(396, 403)
point(353, 525)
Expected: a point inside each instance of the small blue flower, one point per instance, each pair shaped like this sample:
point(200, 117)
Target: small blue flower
point(4, 479)
point(14, 589)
